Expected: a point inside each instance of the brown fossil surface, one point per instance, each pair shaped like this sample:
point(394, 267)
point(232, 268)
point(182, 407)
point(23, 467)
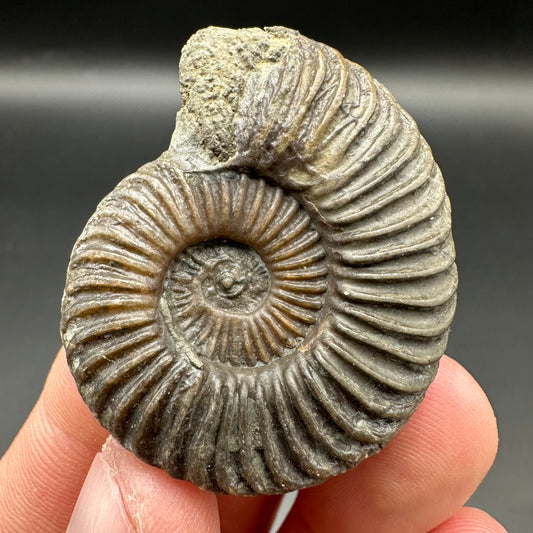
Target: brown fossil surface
point(264, 305)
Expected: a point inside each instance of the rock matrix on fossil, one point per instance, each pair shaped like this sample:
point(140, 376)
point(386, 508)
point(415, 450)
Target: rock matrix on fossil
point(264, 305)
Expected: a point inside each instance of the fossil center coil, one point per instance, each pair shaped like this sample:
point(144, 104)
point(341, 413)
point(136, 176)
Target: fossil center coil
point(250, 295)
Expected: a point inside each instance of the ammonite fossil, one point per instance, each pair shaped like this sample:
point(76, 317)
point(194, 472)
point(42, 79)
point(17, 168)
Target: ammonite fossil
point(264, 305)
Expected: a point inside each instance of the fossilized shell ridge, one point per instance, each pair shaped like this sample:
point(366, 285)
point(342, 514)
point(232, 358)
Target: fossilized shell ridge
point(265, 305)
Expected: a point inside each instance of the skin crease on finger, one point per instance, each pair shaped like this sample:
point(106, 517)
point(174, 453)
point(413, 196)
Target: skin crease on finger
point(153, 501)
point(424, 475)
point(470, 520)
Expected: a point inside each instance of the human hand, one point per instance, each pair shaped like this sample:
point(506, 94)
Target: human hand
point(418, 483)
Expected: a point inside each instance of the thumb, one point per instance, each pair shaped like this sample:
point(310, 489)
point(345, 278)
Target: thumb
point(121, 494)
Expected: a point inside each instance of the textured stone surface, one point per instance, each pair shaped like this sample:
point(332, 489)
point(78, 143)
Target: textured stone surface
point(264, 305)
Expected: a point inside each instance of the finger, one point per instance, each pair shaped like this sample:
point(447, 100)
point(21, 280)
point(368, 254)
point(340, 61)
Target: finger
point(123, 494)
point(425, 474)
point(43, 470)
point(470, 520)
point(247, 514)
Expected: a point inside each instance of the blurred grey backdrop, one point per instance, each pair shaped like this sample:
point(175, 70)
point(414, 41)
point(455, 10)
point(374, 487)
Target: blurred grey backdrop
point(87, 95)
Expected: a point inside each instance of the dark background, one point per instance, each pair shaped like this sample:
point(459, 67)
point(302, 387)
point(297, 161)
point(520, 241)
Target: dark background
point(88, 93)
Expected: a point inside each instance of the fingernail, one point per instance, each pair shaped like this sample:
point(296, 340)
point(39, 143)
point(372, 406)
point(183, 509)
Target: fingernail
point(99, 507)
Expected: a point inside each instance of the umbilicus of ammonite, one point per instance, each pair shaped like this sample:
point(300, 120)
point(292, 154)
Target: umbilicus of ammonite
point(264, 305)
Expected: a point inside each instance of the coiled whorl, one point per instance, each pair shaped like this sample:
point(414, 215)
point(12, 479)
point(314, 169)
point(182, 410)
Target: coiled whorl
point(265, 305)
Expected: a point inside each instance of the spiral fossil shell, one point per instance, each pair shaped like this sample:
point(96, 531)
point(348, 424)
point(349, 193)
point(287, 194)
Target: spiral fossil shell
point(264, 305)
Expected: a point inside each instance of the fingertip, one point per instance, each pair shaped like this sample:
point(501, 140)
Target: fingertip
point(442, 454)
point(427, 472)
point(453, 435)
point(122, 494)
point(155, 502)
point(100, 506)
point(466, 427)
